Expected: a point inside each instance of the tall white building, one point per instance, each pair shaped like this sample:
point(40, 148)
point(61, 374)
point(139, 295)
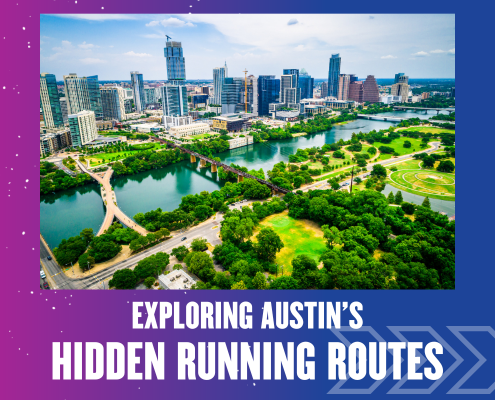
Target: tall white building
point(113, 102)
point(83, 93)
point(82, 128)
point(219, 74)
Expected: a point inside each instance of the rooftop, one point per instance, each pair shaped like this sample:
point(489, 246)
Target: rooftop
point(176, 280)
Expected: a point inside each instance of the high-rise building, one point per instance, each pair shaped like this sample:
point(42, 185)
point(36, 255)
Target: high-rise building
point(138, 91)
point(344, 81)
point(83, 93)
point(333, 75)
point(398, 76)
point(176, 63)
point(174, 100)
point(252, 94)
point(63, 107)
point(356, 91)
point(113, 102)
point(371, 93)
point(290, 93)
point(401, 87)
point(268, 92)
point(82, 127)
point(231, 95)
point(50, 102)
point(324, 90)
point(150, 95)
point(219, 75)
point(452, 92)
point(306, 84)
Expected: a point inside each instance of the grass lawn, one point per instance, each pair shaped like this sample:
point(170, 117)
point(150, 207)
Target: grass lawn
point(298, 236)
point(428, 129)
point(398, 146)
point(199, 137)
point(102, 158)
point(423, 182)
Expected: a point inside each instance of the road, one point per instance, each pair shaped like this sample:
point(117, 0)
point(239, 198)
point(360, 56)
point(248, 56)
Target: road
point(59, 280)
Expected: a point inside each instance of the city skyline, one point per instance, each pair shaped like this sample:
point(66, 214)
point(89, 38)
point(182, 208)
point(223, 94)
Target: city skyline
point(111, 45)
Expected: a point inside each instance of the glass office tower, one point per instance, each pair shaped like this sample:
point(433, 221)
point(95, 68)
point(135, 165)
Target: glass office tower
point(83, 93)
point(176, 63)
point(138, 91)
point(306, 84)
point(50, 102)
point(333, 75)
point(268, 92)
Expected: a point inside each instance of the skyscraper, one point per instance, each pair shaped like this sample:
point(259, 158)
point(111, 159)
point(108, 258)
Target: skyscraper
point(83, 93)
point(82, 128)
point(344, 81)
point(290, 93)
point(231, 95)
point(370, 90)
point(50, 103)
point(219, 74)
point(138, 91)
point(113, 102)
point(268, 92)
point(63, 106)
point(176, 63)
point(356, 91)
point(333, 75)
point(401, 87)
point(324, 90)
point(174, 94)
point(150, 95)
point(306, 84)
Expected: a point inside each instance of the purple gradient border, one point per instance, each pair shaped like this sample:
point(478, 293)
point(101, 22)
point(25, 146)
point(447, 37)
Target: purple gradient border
point(33, 319)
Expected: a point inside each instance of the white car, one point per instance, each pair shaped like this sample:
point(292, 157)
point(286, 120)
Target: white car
point(42, 274)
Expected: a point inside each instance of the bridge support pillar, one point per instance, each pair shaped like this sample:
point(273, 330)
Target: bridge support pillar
point(202, 162)
point(214, 168)
point(193, 158)
point(240, 178)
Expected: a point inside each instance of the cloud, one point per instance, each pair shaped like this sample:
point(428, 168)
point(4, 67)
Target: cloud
point(153, 36)
point(371, 17)
point(292, 21)
point(301, 47)
point(85, 45)
point(66, 45)
point(451, 51)
point(246, 56)
point(389, 57)
point(438, 51)
point(90, 60)
point(171, 22)
point(133, 54)
point(96, 17)
point(421, 54)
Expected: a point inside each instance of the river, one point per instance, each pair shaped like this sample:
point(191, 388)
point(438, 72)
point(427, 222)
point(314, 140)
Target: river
point(66, 213)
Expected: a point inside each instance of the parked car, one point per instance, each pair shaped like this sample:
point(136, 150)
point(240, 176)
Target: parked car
point(184, 238)
point(46, 286)
point(42, 274)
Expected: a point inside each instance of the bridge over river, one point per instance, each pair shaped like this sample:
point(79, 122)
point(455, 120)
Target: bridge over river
point(215, 164)
point(381, 118)
point(425, 109)
point(110, 200)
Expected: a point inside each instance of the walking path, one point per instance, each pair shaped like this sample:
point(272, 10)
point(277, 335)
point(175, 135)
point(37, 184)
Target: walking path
point(108, 197)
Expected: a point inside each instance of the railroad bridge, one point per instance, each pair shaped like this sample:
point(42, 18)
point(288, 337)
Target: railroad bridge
point(215, 164)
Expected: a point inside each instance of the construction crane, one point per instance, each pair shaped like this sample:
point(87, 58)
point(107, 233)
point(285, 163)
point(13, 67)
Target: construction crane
point(168, 37)
point(245, 90)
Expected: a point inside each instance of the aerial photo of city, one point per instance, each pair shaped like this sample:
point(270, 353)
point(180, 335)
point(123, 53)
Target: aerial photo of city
point(241, 152)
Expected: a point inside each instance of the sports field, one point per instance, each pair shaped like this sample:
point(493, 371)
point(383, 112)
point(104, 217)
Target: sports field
point(411, 178)
point(299, 237)
point(103, 158)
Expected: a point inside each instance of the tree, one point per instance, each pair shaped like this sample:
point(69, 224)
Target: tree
point(390, 198)
point(301, 265)
point(407, 144)
point(239, 286)
point(268, 244)
point(446, 166)
point(86, 261)
point(123, 279)
point(358, 180)
point(428, 161)
point(199, 244)
point(259, 281)
point(201, 265)
point(332, 235)
point(203, 212)
point(298, 181)
point(361, 162)
point(180, 252)
point(378, 171)
point(149, 282)
point(152, 265)
point(426, 203)
point(408, 208)
point(284, 283)
point(398, 198)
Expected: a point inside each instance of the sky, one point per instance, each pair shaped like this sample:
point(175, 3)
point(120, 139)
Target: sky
point(112, 45)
